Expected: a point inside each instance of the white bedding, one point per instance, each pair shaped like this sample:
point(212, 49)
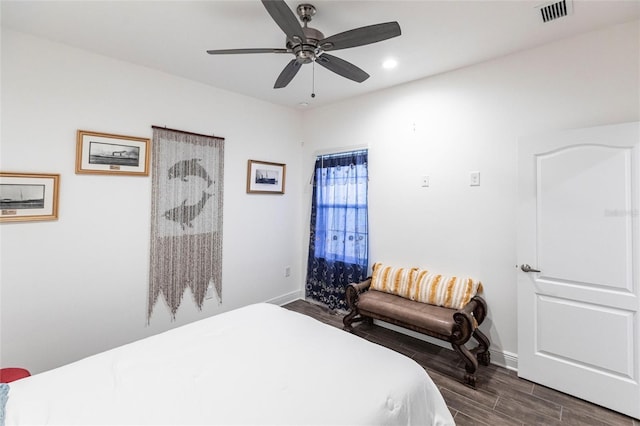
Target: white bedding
point(256, 365)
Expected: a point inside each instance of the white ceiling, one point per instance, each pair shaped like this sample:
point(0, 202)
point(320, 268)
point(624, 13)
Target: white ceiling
point(173, 36)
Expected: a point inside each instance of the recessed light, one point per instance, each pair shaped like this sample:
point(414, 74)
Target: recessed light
point(389, 64)
point(303, 104)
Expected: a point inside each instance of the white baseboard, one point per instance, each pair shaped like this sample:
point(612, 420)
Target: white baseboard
point(286, 298)
point(505, 359)
point(499, 357)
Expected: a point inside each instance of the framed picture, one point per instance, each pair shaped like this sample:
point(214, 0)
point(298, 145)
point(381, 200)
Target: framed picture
point(265, 178)
point(28, 197)
point(105, 153)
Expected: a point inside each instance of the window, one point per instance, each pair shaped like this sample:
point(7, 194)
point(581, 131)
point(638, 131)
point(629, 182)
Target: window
point(339, 243)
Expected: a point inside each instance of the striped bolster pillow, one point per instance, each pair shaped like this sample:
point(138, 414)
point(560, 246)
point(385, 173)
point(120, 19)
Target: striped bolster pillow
point(392, 280)
point(423, 286)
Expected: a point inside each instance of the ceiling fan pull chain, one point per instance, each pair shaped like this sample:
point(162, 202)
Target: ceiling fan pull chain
point(313, 79)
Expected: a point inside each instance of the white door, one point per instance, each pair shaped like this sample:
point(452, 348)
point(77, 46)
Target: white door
point(579, 237)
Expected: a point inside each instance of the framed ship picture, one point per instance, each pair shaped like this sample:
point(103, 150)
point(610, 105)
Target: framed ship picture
point(265, 178)
point(28, 196)
point(105, 153)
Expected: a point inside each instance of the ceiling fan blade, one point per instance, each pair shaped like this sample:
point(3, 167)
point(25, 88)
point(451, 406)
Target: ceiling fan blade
point(342, 67)
point(285, 19)
point(258, 50)
point(361, 36)
point(287, 74)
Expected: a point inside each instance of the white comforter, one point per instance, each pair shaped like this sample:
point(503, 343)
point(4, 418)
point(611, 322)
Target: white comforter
point(256, 365)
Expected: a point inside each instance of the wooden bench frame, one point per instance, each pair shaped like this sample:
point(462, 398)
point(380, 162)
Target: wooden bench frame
point(463, 325)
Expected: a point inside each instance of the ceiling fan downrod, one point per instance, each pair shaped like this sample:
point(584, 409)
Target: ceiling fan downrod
point(306, 50)
point(306, 12)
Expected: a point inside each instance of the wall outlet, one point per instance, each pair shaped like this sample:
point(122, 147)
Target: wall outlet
point(287, 271)
point(424, 181)
point(474, 178)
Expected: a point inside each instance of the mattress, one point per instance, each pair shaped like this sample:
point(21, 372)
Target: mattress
point(258, 365)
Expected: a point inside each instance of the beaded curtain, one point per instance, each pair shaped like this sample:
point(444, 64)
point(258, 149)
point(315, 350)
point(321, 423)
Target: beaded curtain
point(186, 217)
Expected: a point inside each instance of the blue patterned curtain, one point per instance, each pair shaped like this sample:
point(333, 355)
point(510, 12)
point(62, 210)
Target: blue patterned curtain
point(339, 242)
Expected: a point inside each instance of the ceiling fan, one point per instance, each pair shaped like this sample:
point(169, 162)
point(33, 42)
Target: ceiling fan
point(310, 45)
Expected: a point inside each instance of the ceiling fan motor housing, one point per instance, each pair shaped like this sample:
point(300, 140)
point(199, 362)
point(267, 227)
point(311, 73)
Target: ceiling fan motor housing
point(306, 52)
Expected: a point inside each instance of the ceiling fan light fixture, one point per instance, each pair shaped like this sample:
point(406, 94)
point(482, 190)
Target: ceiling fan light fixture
point(305, 56)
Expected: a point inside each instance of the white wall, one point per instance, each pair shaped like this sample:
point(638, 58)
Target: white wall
point(78, 285)
point(59, 301)
point(470, 120)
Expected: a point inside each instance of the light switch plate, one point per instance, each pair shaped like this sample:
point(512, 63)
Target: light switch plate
point(474, 178)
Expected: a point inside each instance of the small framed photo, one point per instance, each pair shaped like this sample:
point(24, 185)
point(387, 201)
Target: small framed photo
point(28, 197)
point(265, 178)
point(105, 153)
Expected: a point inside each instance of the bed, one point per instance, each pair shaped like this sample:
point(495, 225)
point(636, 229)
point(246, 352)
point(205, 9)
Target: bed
point(260, 364)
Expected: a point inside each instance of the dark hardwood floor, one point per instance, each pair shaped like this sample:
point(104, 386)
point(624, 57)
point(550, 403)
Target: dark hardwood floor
point(501, 397)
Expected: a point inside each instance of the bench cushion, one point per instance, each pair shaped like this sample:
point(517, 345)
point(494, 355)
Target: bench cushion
point(430, 317)
point(424, 286)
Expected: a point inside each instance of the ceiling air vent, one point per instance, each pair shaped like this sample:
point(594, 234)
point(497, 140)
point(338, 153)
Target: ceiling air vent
point(555, 10)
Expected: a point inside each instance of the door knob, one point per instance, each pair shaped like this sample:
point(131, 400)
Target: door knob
point(527, 268)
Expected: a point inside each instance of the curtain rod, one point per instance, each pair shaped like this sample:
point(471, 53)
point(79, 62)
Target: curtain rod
point(342, 154)
point(188, 133)
point(339, 150)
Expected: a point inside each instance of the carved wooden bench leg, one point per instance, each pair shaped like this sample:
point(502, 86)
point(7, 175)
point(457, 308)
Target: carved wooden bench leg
point(470, 380)
point(348, 320)
point(483, 355)
point(471, 364)
point(352, 317)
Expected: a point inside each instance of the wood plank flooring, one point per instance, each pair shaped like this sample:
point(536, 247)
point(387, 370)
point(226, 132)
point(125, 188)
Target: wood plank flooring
point(501, 398)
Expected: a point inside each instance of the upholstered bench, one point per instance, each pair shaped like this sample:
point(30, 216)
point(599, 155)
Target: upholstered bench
point(446, 308)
